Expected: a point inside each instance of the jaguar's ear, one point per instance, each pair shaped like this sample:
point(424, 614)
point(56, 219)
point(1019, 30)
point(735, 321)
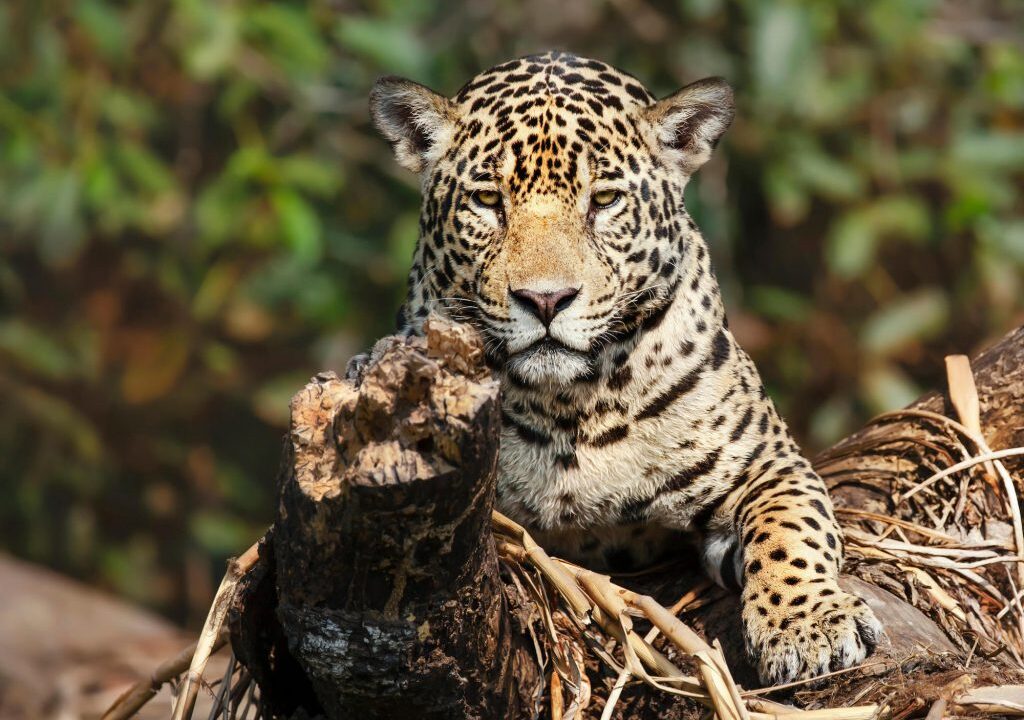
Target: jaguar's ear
point(414, 119)
point(690, 121)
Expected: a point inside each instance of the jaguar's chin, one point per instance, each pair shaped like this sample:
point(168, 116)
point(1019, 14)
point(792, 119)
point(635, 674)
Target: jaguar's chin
point(548, 362)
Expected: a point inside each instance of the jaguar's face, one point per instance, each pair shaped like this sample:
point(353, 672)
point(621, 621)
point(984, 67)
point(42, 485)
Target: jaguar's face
point(553, 215)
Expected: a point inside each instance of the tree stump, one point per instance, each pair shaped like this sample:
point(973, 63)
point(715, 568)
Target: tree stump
point(387, 590)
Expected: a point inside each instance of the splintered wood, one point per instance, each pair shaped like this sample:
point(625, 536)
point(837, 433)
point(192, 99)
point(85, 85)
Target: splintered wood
point(386, 579)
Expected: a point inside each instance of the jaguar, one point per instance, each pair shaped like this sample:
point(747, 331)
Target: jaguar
point(553, 220)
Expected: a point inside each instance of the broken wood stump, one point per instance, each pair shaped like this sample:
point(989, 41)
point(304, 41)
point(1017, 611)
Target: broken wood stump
point(387, 589)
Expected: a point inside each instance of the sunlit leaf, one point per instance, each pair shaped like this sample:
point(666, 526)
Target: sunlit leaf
point(787, 196)
point(144, 168)
point(906, 320)
point(213, 34)
point(997, 150)
point(104, 25)
point(61, 421)
point(885, 388)
point(291, 38)
point(828, 176)
point(310, 174)
point(299, 224)
point(900, 216)
point(387, 43)
point(1008, 237)
point(247, 321)
point(154, 364)
point(850, 245)
point(126, 110)
point(832, 420)
point(220, 358)
point(270, 401)
point(35, 350)
point(62, 231)
point(215, 289)
point(854, 238)
point(779, 303)
point(220, 533)
point(781, 50)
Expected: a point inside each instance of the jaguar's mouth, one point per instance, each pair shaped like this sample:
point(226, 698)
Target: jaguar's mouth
point(548, 361)
point(549, 344)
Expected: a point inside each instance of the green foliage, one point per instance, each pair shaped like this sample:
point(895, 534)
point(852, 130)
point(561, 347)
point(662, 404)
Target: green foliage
point(195, 216)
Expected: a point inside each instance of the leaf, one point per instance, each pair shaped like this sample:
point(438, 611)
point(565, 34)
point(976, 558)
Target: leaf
point(213, 31)
point(388, 44)
point(916, 316)
point(310, 174)
point(886, 388)
point(701, 9)
point(288, 36)
point(900, 216)
point(154, 364)
point(127, 110)
point(220, 359)
point(779, 303)
point(147, 170)
point(62, 231)
point(780, 51)
point(218, 283)
point(787, 196)
point(996, 150)
point(101, 184)
point(300, 224)
point(104, 26)
point(854, 239)
point(245, 320)
point(828, 176)
point(220, 533)
point(271, 401)
point(60, 420)
point(831, 420)
point(35, 351)
point(850, 245)
point(1005, 237)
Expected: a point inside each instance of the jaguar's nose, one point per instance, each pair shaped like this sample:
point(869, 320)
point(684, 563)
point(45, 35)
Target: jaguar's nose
point(545, 305)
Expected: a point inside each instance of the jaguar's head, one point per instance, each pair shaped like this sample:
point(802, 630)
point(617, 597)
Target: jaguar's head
point(553, 213)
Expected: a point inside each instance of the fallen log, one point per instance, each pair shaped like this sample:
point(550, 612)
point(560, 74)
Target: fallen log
point(381, 592)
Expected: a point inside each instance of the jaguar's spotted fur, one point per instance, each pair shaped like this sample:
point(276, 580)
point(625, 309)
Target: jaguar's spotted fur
point(553, 219)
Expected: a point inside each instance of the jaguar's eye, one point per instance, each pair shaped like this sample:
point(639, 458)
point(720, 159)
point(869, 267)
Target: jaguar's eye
point(487, 198)
point(605, 198)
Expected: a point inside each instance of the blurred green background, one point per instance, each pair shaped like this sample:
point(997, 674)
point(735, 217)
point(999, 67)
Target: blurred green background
point(195, 217)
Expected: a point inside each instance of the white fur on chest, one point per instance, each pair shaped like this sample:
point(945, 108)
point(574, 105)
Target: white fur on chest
point(535, 489)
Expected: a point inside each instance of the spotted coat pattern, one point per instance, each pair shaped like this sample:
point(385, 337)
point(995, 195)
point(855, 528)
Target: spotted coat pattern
point(553, 220)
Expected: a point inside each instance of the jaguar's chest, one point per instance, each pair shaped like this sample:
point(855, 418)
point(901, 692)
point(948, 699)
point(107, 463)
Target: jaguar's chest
point(644, 441)
point(593, 468)
point(574, 497)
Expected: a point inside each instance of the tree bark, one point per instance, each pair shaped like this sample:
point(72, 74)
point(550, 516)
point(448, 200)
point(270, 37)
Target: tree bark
point(387, 592)
point(379, 592)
